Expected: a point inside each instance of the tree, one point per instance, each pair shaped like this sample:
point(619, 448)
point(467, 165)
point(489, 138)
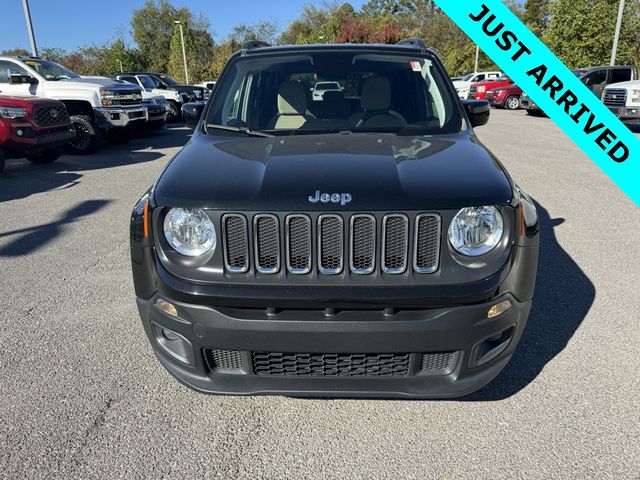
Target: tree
point(265, 30)
point(581, 32)
point(536, 16)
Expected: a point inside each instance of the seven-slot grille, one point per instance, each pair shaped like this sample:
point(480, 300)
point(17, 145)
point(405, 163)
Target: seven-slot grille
point(50, 115)
point(615, 97)
point(332, 243)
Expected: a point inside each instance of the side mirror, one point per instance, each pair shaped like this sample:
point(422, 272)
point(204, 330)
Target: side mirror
point(191, 113)
point(478, 112)
point(20, 79)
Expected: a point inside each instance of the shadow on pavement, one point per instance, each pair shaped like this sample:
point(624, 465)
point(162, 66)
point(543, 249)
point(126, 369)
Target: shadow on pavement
point(21, 178)
point(27, 240)
point(562, 299)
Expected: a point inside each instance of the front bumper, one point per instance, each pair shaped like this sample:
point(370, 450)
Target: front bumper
point(528, 104)
point(627, 115)
point(454, 338)
point(495, 101)
point(113, 117)
point(33, 139)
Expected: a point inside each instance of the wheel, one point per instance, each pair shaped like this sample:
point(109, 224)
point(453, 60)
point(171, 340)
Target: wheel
point(1, 161)
point(44, 156)
point(86, 140)
point(173, 115)
point(118, 136)
point(512, 102)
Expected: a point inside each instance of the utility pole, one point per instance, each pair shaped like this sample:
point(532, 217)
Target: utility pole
point(27, 18)
point(477, 58)
point(184, 53)
point(616, 37)
point(121, 67)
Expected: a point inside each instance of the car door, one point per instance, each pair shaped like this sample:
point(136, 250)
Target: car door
point(7, 68)
point(596, 81)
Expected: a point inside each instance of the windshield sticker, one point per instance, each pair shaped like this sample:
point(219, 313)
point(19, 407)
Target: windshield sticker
point(415, 66)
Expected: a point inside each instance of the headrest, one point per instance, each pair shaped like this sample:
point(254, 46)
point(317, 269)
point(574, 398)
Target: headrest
point(333, 96)
point(376, 94)
point(292, 99)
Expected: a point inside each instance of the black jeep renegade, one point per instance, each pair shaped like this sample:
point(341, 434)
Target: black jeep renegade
point(362, 242)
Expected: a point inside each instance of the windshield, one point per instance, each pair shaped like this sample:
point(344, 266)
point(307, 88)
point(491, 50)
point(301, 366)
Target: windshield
point(468, 77)
point(372, 92)
point(578, 73)
point(169, 81)
point(50, 70)
point(146, 81)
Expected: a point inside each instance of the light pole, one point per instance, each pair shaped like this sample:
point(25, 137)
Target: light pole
point(616, 37)
point(477, 58)
point(27, 18)
point(184, 53)
point(121, 67)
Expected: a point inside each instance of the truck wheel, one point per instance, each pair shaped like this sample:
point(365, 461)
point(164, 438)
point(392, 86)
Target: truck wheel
point(86, 140)
point(118, 136)
point(1, 161)
point(173, 115)
point(44, 156)
point(512, 103)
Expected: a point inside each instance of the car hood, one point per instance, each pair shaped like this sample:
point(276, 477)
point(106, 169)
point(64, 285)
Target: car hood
point(631, 84)
point(461, 84)
point(378, 172)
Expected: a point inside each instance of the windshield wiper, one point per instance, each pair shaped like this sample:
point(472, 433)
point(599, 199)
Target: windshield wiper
point(242, 130)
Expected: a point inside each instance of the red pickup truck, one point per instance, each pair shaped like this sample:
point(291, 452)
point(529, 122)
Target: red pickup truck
point(479, 90)
point(35, 128)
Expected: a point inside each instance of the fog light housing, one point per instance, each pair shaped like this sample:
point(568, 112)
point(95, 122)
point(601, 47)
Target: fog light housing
point(499, 308)
point(19, 132)
point(174, 344)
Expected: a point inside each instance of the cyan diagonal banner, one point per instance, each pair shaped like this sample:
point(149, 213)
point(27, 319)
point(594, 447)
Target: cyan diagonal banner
point(564, 98)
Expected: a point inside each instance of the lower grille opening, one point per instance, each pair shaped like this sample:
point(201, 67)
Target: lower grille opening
point(439, 363)
point(224, 359)
point(331, 364)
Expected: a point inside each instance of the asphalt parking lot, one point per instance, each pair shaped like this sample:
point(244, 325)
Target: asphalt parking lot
point(82, 396)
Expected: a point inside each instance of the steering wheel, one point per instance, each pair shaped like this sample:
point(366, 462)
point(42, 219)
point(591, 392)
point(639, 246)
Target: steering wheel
point(376, 113)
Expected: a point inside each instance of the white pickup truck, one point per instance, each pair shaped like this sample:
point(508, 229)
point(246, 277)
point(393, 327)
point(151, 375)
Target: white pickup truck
point(623, 99)
point(463, 85)
point(174, 98)
point(95, 105)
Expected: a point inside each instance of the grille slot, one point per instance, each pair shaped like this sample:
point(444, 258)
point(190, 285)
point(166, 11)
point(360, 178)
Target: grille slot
point(267, 243)
point(331, 364)
point(224, 359)
point(438, 363)
point(427, 244)
point(330, 244)
point(395, 242)
point(236, 243)
point(614, 97)
point(46, 116)
point(298, 231)
point(363, 244)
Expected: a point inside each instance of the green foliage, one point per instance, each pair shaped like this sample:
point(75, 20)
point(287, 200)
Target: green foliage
point(537, 14)
point(581, 32)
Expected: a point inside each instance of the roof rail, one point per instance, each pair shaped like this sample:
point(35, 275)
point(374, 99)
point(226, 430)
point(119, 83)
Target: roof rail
point(251, 44)
point(413, 42)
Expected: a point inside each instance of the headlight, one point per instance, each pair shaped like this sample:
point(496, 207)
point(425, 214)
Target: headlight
point(635, 96)
point(13, 112)
point(482, 89)
point(475, 231)
point(107, 97)
point(189, 231)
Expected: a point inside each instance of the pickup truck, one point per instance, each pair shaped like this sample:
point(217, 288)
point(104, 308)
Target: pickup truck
point(95, 104)
point(35, 128)
point(463, 85)
point(623, 99)
point(174, 98)
point(478, 91)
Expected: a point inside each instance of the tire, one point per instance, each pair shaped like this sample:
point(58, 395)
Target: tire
point(44, 156)
point(173, 115)
point(1, 161)
point(119, 136)
point(86, 140)
point(512, 102)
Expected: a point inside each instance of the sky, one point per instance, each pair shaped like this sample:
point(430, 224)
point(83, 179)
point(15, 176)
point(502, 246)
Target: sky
point(69, 24)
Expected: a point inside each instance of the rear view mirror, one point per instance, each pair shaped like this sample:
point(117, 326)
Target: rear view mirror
point(191, 113)
point(478, 112)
